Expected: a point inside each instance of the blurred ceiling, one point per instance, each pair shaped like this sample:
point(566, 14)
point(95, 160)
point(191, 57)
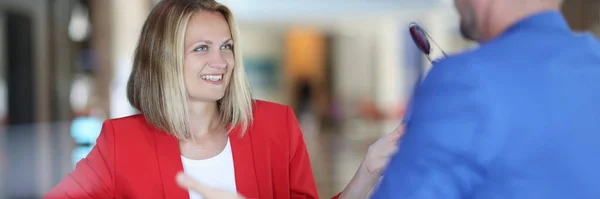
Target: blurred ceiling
point(286, 10)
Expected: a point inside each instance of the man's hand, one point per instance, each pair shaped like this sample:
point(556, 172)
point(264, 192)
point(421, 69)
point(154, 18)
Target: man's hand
point(187, 182)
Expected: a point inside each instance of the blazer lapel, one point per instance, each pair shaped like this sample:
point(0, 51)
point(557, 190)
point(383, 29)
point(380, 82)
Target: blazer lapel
point(244, 164)
point(252, 174)
point(262, 161)
point(169, 162)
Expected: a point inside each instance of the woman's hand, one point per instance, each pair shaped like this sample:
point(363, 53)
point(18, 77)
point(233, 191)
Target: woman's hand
point(375, 161)
point(187, 182)
point(381, 151)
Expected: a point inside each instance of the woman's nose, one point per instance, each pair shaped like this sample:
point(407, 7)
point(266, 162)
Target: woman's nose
point(217, 61)
point(218, 65)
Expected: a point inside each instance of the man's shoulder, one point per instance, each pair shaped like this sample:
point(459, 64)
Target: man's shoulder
point(496, 58)
point(456, 66)
point(478, 57)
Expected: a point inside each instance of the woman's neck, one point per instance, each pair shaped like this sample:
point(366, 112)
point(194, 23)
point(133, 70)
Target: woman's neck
point(203, 119)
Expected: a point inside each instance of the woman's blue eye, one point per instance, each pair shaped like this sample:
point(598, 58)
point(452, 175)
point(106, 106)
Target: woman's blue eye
point(201, 48)
point(227, 47)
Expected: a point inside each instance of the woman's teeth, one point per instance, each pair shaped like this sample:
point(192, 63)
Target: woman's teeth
point(212, 77)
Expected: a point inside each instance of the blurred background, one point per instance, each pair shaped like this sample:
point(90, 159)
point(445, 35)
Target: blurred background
point(345, 66)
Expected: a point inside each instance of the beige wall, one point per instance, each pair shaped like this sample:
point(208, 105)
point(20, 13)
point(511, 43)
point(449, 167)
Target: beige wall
point(128, 18)
point(264, 41)
point(117, 28)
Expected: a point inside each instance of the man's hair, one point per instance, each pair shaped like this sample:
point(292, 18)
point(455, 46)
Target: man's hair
point(156, 85)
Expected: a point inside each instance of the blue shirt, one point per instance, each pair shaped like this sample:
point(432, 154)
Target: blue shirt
point(518, 118)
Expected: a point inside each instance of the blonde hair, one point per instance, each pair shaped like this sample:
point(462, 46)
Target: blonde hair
point(156, 86)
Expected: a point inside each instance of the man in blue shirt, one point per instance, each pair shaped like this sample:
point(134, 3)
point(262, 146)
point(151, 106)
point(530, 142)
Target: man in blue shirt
point(518, 117)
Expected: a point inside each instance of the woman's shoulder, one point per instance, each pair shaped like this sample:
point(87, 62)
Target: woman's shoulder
point(269, 116)
point(136, 120)
point(261, 106)
point(129, 127)
point(271, 112)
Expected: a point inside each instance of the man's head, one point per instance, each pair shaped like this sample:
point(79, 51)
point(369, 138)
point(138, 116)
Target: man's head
point(469, 20)
point(482, 20)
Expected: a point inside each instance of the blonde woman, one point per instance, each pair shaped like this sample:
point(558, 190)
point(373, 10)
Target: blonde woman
point(198, 117)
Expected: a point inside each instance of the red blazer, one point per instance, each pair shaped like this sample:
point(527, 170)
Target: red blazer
point(132, 159)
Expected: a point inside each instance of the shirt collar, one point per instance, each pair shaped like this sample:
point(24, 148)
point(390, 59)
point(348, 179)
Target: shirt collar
point(552, 19)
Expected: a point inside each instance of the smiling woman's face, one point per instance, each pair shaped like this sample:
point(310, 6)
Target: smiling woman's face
point(208, 60)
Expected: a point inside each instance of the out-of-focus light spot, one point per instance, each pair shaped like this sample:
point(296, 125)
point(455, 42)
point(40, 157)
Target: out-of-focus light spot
point(80, 93)
point(85, 130)
point(79, 25)
point(3, 97)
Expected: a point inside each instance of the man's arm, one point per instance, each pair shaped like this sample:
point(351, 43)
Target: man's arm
point(437, 156)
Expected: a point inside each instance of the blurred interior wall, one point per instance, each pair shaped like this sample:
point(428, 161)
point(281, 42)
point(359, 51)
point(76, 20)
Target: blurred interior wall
point(370, 63)
point(127, 19)
point(3, 158)
point(305, 61)
point(2, 51)
point(102, 43)
point(37, 10)
point(367, 66)
point(115, 38)
point(354, 63)
point(583, 15)
point(390, 83)
point(263, 42)
point(61, 62)
point(39, 85)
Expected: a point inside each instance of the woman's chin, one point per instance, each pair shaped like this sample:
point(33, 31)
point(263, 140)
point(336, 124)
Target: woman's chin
point(206, 98)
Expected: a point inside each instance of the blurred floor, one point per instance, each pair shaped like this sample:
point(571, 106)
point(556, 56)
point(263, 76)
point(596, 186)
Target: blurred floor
point(336, 154)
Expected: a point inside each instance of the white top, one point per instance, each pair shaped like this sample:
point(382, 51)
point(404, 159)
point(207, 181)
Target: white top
point(216, 172)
